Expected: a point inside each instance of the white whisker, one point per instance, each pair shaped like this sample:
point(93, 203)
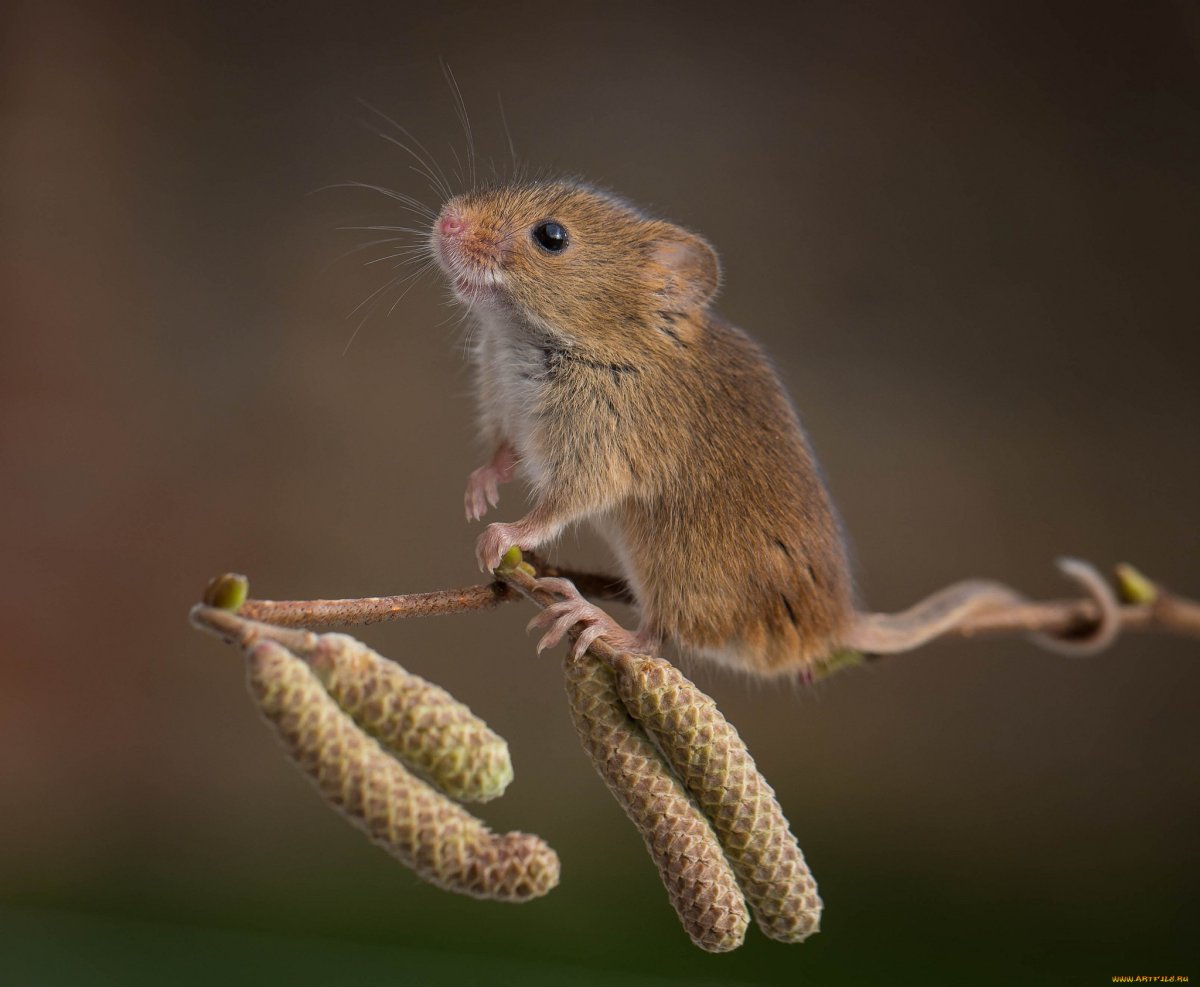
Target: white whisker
point(410, 254)
point(460, 107)
point(397, 281)
point(420, 230)
point(508, 134)
point(359, 247)
point(413, 279)
point(428, 162)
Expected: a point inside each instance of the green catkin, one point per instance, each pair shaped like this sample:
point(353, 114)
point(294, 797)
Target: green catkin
point(443, 843)
point(713, 762)
point(700, 885)
point(421, 723)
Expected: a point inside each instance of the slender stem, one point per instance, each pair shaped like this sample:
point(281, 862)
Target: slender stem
point(234, 627)
point(374, 609)
point(1177, 615)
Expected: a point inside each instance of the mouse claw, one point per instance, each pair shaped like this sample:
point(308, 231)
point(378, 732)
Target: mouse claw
point(560, 624)
point(483, 488)
point(561, 617)
point(558, 618)
point(493, 543)
point(575, 610)
point(471, 503)
point(586, 638)
point(543, 618)
point(563, 587)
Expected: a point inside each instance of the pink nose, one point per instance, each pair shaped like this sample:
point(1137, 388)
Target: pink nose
point(451, 224)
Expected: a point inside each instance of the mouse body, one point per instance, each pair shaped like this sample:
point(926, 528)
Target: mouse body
point(605, 378)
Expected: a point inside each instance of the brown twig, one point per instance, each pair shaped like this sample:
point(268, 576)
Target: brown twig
point(376, 609)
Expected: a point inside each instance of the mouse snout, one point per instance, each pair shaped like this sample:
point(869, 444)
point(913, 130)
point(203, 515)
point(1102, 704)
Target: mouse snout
point(451, 224)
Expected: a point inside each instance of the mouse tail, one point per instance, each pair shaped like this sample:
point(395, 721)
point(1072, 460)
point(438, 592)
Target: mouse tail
point(892, 633)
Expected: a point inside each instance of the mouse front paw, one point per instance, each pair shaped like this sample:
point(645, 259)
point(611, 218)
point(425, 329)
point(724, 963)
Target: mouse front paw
point(494, 542)
point(483, 485)
point(483, 488)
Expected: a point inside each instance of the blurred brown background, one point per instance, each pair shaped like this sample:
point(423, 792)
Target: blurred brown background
point(968, 233)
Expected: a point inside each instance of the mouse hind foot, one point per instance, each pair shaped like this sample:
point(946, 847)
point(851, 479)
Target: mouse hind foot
point(559, 618)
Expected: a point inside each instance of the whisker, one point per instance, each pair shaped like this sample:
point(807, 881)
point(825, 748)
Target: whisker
point(434, 187)
point(407, 254)
point(413, 279)
point(397, 281)
point(458, 168)
point(382, 287)
point(442, 182)
point(460, 107)
point(414, 205)
point(421, 168)
point(367, 313)
point(419, 230)
point(361, 246)
point(508, 134)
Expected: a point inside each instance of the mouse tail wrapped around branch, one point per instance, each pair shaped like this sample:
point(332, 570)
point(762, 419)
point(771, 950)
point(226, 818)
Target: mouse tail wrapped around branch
point(937, 614)
point(963, 607)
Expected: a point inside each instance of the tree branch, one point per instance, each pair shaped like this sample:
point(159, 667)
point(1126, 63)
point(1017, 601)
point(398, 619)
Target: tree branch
point(1144, 606)
point(376, 609)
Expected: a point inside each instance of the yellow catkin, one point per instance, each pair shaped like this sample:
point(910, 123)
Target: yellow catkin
point(700, 885)
point(437, 838)
point(421, 723)
point(713, 762)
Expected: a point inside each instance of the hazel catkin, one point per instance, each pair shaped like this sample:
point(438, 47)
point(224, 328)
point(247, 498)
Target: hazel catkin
point(708, 755)
point(700, 885)
point(443, 843)
point(421, 723)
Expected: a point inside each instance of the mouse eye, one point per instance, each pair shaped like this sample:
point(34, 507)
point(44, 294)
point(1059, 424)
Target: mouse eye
point(550, 236)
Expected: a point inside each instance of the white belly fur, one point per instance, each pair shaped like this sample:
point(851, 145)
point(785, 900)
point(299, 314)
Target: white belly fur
point(508, 366)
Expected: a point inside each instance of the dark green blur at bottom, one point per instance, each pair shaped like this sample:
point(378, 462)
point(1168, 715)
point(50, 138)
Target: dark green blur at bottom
point(603, 926)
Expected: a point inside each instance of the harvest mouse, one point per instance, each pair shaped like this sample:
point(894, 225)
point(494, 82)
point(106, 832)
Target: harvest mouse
point(606, 379)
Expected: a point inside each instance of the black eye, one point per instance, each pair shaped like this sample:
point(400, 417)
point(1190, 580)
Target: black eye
point(550, 236)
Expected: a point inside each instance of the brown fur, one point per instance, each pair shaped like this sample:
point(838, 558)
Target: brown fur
point(640, 410)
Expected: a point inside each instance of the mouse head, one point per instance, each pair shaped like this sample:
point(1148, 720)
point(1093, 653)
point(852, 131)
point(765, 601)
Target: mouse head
point(579, 263)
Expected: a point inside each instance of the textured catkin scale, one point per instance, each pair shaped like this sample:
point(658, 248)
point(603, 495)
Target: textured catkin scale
point(421, 723)
point(710, 757)
point(437, 838)
point(699, 882)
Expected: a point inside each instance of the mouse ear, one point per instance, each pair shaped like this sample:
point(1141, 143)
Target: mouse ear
point(684, 267)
